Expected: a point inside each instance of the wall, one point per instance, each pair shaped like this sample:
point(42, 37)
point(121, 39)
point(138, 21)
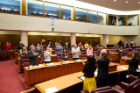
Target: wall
point(133, 20)
point(28, 23)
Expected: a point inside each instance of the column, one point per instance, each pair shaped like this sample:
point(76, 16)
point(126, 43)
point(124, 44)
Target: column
point(73, 38)
point(24, 37)
point(104, 37)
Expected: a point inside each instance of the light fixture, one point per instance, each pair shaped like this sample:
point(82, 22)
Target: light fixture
point(43, 34)
point(126, 1)
point(115, 0)
point(138, 2)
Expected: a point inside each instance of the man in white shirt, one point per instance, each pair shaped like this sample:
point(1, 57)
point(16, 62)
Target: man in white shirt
point(75, 52)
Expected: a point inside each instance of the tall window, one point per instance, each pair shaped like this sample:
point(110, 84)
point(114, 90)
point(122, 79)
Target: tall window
point(34, 8)
point(112, 19)
point(81, 15)
point(51, 10)
point(92, 16)
point(132, 20)
point(66, 12)
point(121, 20)
point(101, 18)
point(10, 6)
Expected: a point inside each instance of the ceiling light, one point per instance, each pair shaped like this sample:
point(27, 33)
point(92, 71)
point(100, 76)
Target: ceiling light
point(126, 1)
point(115, 0)
point(43, 34)
point(138, 2)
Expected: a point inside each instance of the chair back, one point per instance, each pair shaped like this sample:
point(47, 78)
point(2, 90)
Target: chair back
point(132, 78)
point(84, 55)
point(101, 89)
point(135, 88)
point(95, 52)
point(59, 57)
point(70, 56)
point(124, 54)
point(129, 49)
point(95, 49)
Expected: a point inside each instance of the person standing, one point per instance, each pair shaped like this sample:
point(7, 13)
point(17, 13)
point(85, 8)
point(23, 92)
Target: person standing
point(133, 64)
point(81, 47)
point(39, 49)
point(20, 45)
point(23, 51)
point(47, 56)
point(86, 45)
point(125, 45)
point(88, 70)
point(131, 43)
point(66, 46)
point(89, 51)
point(32, 56)
point(64, 55)
point(7, 46)
point(103, 64)
point(101, 47)
point(75, 52)
point(59, 48)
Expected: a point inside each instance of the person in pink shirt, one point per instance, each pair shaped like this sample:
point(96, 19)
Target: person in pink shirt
point(90, 51)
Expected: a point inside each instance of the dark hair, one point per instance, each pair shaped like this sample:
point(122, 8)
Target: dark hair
point(91, 61)
point(136, 55)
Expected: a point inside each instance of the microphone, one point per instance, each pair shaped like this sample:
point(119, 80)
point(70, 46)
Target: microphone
point(112, 57)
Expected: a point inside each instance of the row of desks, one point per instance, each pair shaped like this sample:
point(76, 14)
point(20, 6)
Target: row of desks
point(67, 81)
point(45, 72)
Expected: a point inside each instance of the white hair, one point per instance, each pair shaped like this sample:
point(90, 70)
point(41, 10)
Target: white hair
point(103, 52)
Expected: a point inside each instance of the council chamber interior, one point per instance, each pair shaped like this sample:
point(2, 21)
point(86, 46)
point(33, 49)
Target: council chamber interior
point(69, 46)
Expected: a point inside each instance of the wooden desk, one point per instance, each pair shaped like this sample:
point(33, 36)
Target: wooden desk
point(66, 81)
point(11, 53)
point(113, 56)
point(46, 72)
point(16, 57)
point(123, 61)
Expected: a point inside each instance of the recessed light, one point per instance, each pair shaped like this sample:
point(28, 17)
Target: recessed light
point(126, 1)
point(138, 2)
point(115, 0)
point(43, 34)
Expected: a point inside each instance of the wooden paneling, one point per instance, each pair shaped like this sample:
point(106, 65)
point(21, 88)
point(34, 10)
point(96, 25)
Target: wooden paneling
point(74, 13)
point(44, 9)
point(23, 7)
point(13, 39)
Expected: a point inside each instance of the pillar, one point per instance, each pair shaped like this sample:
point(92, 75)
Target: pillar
point(73, 38)
point(24, 37)
point(104, 37)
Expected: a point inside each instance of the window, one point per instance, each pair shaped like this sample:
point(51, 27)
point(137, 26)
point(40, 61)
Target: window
point(112, 19)
point(101, 18)
point(66, 12)
point(81, 15)
point(92, 16)
point(121, 20)
point(51, 10)
point(132, 20)
point(10, 6)
point(34, 8)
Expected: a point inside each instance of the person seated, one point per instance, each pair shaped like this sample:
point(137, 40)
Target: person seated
point(66, 46)
point(133, 64)
point(80, 47)
point(7, 46)
point(64, 55)
point(59, 48)
point(20, 45)
point(90, 51)
point(75, 52)
point(23, 51)
point(88, 70)
point(47, 55)
point(86, 45)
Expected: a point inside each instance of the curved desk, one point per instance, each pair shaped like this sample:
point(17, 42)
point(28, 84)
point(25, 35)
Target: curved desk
point(66, 81)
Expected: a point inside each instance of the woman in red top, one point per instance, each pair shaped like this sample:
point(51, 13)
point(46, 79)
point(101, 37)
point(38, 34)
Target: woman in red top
point(7, 46)
point(80, 46)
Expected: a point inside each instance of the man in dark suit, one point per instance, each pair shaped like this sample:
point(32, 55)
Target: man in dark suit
point(125, 45)
point(103, 75)
point(32, 56)
point(20, 45)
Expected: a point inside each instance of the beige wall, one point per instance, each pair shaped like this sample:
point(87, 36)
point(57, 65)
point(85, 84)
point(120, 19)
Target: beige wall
point(28, 23)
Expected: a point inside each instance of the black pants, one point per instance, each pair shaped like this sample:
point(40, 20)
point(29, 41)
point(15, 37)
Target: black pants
point(46, 61)
point(75, 58)
point(103, 82)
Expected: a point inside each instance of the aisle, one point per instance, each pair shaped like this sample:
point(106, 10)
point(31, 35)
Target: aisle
point(9, 77)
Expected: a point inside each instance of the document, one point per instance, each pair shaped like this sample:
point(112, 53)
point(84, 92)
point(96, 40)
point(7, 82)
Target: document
point(81, 77)
point(51, 90)
point(123, 67)
point(66, 61)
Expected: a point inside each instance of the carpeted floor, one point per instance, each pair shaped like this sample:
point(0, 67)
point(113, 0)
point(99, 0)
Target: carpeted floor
point(10, 81)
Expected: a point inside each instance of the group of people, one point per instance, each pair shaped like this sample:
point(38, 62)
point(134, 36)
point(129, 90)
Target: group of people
point(132, 44)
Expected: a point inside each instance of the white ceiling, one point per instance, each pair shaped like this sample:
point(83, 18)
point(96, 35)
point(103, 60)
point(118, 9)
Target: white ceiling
point(116, 5)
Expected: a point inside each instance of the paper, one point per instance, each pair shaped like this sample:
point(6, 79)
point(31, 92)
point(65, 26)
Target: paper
point(82, 77)
point(50, 63)
point(66, 61)
point(78, 60)
point(137, 70)
point(51, 90)
point(95, 73)
point(123, 67)
point(40, 65)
